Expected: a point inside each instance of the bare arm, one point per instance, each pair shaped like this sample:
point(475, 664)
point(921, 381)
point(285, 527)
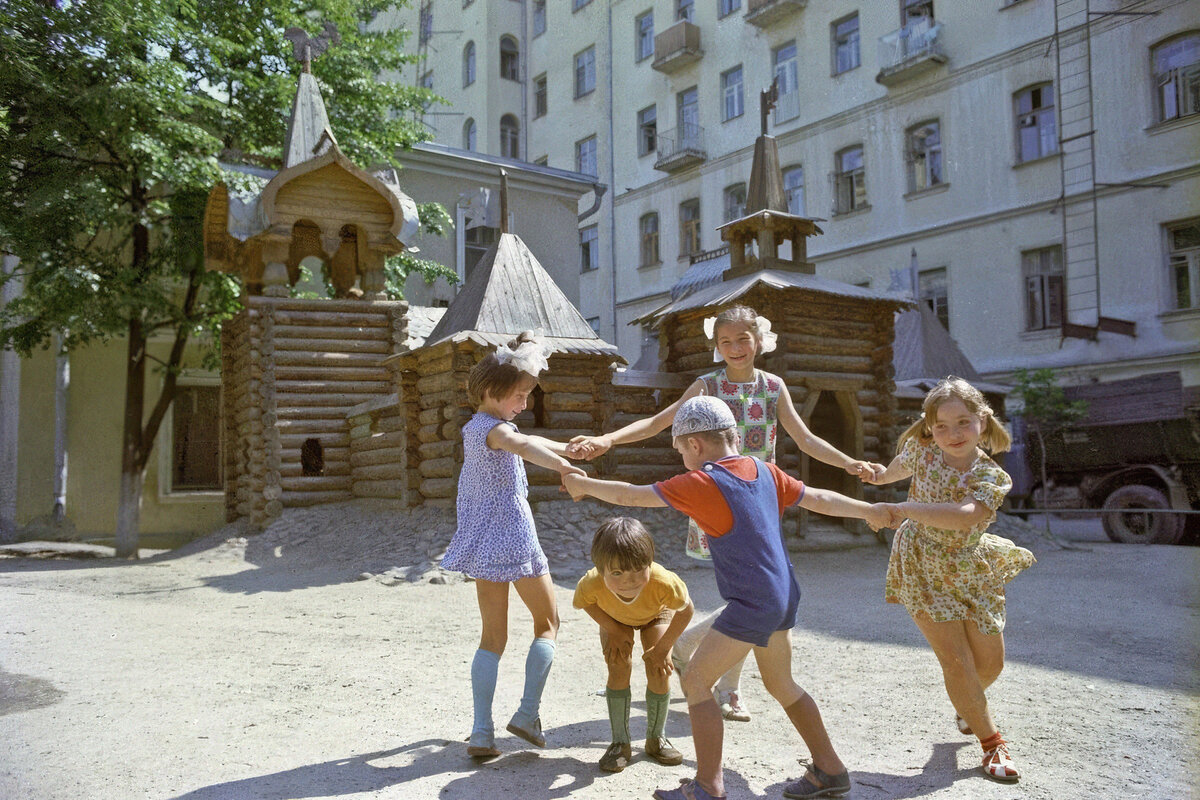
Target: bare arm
point(502, 437)
point(948, 516)
point(618, 493)
point(824, 501)
point(893, 472)
point(557, 448)
point(678, 625)
point(814, 445)
point(590, 447)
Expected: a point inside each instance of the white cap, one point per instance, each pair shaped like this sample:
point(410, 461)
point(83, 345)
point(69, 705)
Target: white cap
point(703, 413)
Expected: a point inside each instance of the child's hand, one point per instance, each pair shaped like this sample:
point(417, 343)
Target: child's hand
point(618, 646)
point(570, 469)
point(588, 447)
point(659, 660)
point(573, 484)
point(879, 516)
point(868, 471)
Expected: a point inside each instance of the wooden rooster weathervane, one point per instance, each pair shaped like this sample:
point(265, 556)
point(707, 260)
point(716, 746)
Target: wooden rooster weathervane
point(305, 48)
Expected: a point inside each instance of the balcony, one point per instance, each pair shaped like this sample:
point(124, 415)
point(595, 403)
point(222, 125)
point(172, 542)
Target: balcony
point(680, 148)
point(765, 13)
point(787, 107)
point(676, 47)
point(913, 50)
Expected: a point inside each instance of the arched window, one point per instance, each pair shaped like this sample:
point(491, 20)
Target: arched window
point(469, 142)
point(510, 62)
point(1176, 65)
point(469, 64)
point(1037, 133)
point(510, 136)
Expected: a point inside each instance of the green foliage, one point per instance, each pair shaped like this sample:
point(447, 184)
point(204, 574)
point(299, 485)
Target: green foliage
point(1045, 402)
point(114, 115)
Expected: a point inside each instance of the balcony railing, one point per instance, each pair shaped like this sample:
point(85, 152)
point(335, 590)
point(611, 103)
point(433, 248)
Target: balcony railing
point(676, 47)
point(765, 13)
point(787, 107)
point(915, 48)
point(680, 148)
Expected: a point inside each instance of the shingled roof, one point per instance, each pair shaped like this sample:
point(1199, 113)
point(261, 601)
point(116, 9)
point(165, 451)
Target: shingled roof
point(509, 291)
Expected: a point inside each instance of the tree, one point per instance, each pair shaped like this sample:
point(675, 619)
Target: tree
point(113, 116)
point(1046, 412)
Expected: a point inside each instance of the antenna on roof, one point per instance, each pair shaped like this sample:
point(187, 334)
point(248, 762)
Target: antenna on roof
point(503, 201)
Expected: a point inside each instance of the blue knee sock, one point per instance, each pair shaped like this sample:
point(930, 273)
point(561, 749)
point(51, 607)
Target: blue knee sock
point(537, 667)
point(484, 667)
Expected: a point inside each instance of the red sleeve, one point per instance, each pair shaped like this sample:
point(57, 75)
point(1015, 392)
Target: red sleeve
point(787, 488)
point(696, 494)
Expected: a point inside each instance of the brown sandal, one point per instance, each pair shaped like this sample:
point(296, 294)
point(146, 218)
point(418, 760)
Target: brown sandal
point(828, 786)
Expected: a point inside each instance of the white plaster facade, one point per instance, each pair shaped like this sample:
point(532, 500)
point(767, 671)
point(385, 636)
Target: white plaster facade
point(987, 210)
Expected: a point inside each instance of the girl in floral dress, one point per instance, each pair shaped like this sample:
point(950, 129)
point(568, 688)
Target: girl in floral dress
point(760, 402)
point(944, 568)
point(496, 542)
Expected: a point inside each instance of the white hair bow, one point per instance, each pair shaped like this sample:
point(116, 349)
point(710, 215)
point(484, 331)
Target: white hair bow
point(768, 340)
point(531, 357)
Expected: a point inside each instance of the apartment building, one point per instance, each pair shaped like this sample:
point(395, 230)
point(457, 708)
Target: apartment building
point(1036, 163)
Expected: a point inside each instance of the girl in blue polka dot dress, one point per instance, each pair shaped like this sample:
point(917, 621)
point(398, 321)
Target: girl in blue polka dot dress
point(496, 542)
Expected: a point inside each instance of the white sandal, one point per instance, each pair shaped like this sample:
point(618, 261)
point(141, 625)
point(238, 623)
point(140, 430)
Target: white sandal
point(998, 764)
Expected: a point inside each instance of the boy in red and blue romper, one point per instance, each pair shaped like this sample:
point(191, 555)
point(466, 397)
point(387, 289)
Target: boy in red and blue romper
point(738, 501)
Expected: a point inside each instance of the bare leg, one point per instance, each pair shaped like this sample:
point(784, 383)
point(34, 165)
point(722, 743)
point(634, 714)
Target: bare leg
point(731, 680)
point(715, 655)
point(952, 646)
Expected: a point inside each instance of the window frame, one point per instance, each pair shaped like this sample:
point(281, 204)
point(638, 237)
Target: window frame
point(727, 7)
point(733, 91)
point(581, 148)
point(1189, 258)
point(649, 254)
point(588, 67)
point(788, 192)
point(734, 210)
point(1171, 77)
point(930, 158)
point(541, 99)
point(468, 64)
point(689, 228)
point(165, 444)
point(589, 248)
point(647, 141)
point(539, 18)
point(685, 11)
point(1039, 115)
point(512, 132)
point(933, 287)
point(853, 39)
point(1041, 318)
point(470, 135)
point(640, 51)
point(856, 179)
point(510, 59)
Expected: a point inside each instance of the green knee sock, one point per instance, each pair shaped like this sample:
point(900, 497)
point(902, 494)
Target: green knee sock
point(656, 713)
point(618, 713)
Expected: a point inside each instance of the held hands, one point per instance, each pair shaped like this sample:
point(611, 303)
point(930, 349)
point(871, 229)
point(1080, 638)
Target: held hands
point(588, 447)
point(885, 515)
point(866, 471)
point(573, 485)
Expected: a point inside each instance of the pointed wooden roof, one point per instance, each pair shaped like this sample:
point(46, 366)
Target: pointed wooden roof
point(508, 292)
point(765, 191)
point(309, 134)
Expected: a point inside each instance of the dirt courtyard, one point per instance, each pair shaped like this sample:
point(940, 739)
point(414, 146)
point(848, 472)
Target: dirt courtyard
point(253, 668)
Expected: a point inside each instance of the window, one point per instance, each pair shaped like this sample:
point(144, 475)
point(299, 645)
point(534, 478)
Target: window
point(595, 323)
point(539, 17)
point(735, 201)
point(510, 59)
point(845, 44)
point(850, 183)
point(469, 135)
point(1183, 263)
point(585, 71)
point(1043, 274)
point(924, 156)
point(793, 189)
point(510, 136)
point(784, 60)
point(1176, 65)
point(585, 156)
point(685, 10)
point(589, 248)
point(578, 4)
point(689, 227)
point(647, 132)
point(931, 288)
point(643, 28)
point(539, 96)
point(731, 93)
point(195, 439)
point(727, 7)
point(1037, 135)
point(469, 64)
point(476, 242)
point(916, 12)
point(648, 238)
point(687, 105)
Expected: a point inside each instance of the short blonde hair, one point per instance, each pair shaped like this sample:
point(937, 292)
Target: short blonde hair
point(994, 437)
point(490, 377)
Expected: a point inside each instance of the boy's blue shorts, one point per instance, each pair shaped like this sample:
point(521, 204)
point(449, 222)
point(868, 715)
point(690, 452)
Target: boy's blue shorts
point(746, 624)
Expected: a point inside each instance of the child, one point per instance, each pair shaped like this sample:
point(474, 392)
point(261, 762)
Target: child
point(759, 402)
point(738, 501)
point(495, 542)
point(947, 572)
point(627, 591)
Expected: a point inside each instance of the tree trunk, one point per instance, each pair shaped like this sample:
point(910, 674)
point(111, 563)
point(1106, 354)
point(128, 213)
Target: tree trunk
point(130, 501)
point(1037, 431)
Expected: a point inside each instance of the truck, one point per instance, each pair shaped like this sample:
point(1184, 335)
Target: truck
point(1137, 447)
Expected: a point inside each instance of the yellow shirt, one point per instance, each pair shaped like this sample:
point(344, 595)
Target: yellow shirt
point(664, 590)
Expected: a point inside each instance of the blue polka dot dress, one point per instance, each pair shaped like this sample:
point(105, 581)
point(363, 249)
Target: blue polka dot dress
point(495, 539)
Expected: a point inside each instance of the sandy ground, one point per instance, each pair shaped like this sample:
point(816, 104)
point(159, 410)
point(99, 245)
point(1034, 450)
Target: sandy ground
point(257, 668)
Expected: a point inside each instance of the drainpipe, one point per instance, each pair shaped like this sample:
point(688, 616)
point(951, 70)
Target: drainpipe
point(10, 412)
point(612, 180)
point(525, 40)
point(62, 383)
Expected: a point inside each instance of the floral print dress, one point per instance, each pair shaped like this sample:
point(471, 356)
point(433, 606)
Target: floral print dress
point(755, 407)
point(947, 574)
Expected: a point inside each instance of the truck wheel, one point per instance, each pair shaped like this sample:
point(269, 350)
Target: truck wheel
point(1134, 528)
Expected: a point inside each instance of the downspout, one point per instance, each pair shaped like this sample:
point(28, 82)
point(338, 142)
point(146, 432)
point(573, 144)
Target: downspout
point(525, 40)
point(62, 384)
point(10, 410)
point(612, 180)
